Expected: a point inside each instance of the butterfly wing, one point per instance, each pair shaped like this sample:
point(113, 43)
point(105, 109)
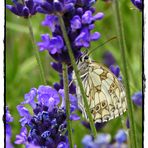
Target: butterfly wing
point(105, 93)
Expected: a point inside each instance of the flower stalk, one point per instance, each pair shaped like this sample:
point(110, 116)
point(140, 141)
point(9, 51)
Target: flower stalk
point(122, 45)
point(67, 102)
point(63, 28)
point(38, 59)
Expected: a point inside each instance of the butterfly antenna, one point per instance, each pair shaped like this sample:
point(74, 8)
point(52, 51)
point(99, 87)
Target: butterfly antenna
point(85, 51)
point(115, 37)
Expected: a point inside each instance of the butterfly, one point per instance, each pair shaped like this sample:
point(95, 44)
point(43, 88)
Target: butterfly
point(105, 93)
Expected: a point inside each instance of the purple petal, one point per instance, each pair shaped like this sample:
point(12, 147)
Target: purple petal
point(58, 6)
point(8, 130)
point(121, 136)
point(51, 104)
point(86, 44)
point(74, 117)
point(56, 44)
point(29, 4)
point(137, 98)
point(51, 21)
point(54, 51)
point(95, 36)
point(45, 93)
point(87, 17)
point(103, 139)
point(22, 137)
point(23, 111)
point(115, 70)
point(56, 66)
point(108, 59)
point(83, 39)
point(25, 114)
point(46, 90)
point(91, 2)
point(8, 142)
point(91, 27)
point(29, 97)
point(12, 9)
point(92, 9)
point(45, 37)
point(69, 7)
point(57, 86)
point(41, 10)
point(25, 12)
point(44, 45)
point(63, 145)
point(75, 23)
point(47, 7)
point(87, 141)
point(80, 11)
point(19, 7)
point(9, 118)
point(138, 4)
point(127, 123)
point(98, 16)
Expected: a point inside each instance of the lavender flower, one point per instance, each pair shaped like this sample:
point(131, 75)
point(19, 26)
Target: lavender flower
point(83, 40)
point(72, 87)
point(116, 71)
point(105, 140)
point(108, 59)
point(79, 20)
point(137, 98)
point(26, 117)
point(138, 4)
point(110, 62)
point(127, 123)
point(48, 7)
point(8, 119)
point(87, 141)
point(51, 21)
point(102, 140)
point(53, 45)
point(47, 125)
point(75, 23)
point(121, 136)
point(22, 137)
point(8, 142)
point(24, 10)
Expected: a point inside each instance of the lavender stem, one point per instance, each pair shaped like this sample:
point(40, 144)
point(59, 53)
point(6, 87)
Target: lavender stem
point(122, 44)
point(38, 59)
point(77, 75)
point(67, 102)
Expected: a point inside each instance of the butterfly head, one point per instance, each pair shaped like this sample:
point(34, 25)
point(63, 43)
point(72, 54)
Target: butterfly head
point(84, 58)
point(83, 62)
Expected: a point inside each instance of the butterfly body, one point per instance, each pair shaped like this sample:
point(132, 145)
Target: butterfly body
point(105, 93)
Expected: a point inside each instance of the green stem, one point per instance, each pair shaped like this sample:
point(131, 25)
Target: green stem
point(67, 102)
point(122, 44)
point(37, 55)
point(63, 28)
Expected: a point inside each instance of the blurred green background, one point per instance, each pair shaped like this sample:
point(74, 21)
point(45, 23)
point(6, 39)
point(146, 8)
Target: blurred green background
point(22, 72)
